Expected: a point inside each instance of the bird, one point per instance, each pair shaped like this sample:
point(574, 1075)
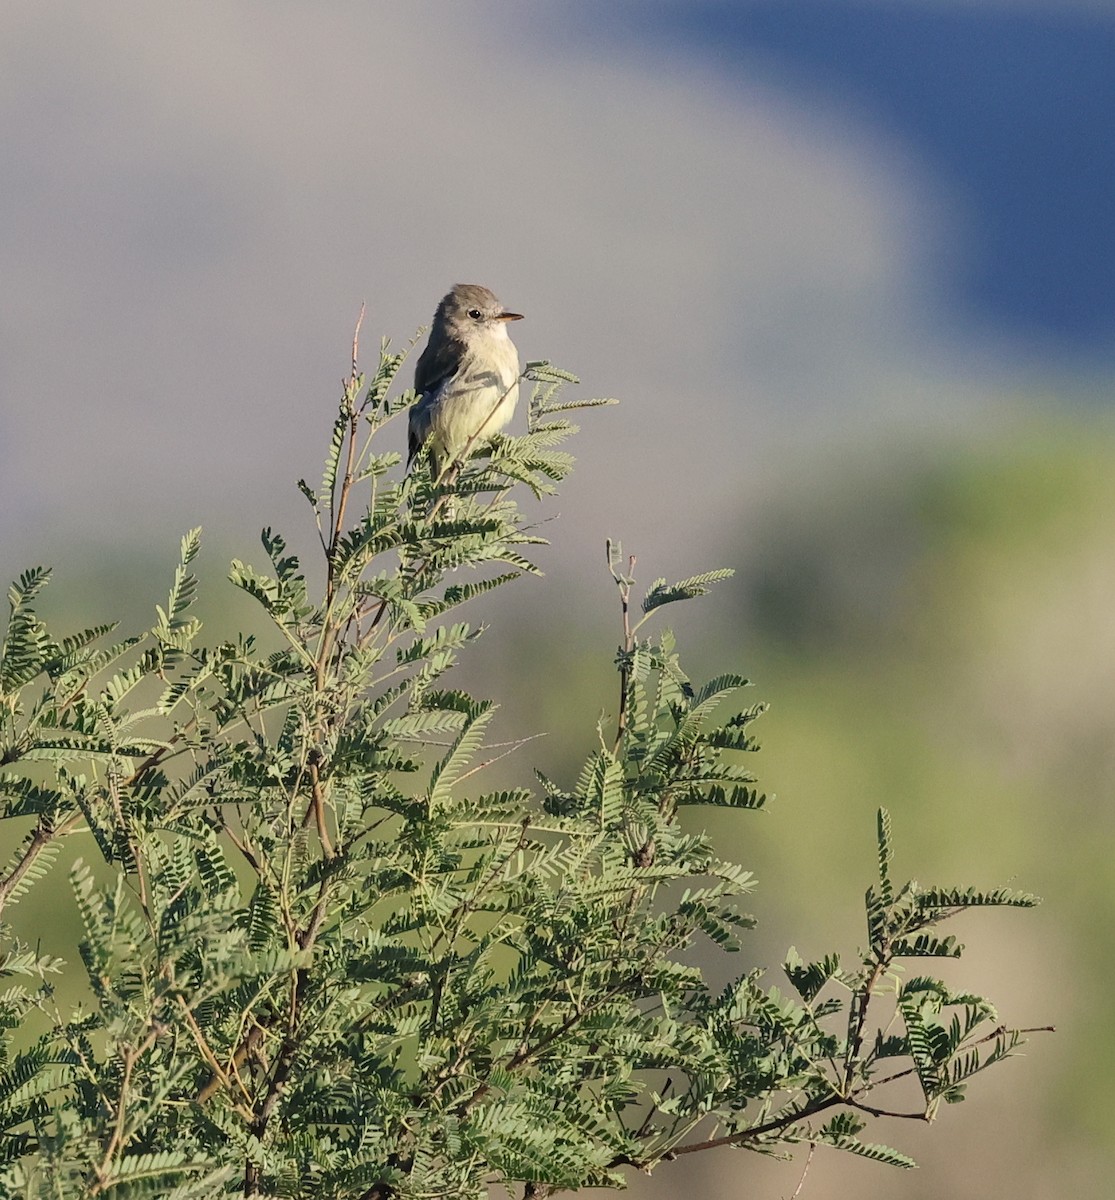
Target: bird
point(467, 377)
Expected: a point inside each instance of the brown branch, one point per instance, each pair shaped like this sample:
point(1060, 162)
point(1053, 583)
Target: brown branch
point(514, 747)
point(219, 1074)
point(246, 852)
point(464, 907)
point(886, 1112)
point(858, 1022)
point(779, 1123)
point(527, 1053)
point(624, 585)
point(337, 509)
point(338, 504)
point(317, 806)
point(308, 936)
point(131, 1055)
point(264, 1107)
point(755, 1131)
point(43, 835)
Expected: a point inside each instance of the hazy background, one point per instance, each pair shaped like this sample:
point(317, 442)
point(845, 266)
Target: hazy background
point(849, 267)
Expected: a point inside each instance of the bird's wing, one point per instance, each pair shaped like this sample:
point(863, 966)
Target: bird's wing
point(436, 364)
point(418, 429)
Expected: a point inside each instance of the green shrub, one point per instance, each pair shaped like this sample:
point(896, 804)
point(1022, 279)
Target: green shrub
point(326, 963)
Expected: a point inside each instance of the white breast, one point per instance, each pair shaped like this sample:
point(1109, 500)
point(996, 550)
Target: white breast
point(480, 399)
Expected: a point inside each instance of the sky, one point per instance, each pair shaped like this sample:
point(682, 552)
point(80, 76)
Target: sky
point(1007, 105)
point(772, 232)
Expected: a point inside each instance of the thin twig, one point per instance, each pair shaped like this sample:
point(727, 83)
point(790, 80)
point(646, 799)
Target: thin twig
point(886, 1112)
point(515, 746)
point(624, 584)
point(155, 758)
point(997, 1032)
point(464, 907)
point(857, 1021)
point(356, 339)
point(805, 1171)
point(42, 837)
point(221, 1075)
point(755, 1131)
point(130, 1056)
point(644, 1128)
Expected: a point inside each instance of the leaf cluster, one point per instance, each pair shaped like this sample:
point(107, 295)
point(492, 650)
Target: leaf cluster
point(324, 961)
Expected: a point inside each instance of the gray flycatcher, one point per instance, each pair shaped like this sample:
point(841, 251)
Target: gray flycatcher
point(467, 378)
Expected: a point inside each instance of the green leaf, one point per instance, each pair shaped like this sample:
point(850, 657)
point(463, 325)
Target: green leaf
point(686, 589)
point(927, 946)
point(840, 1132)
point(949, 898)
point(810, 978)
point(452, 766)
point(886, 853)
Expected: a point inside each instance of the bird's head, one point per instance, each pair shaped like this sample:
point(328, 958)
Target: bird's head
point(470, 309)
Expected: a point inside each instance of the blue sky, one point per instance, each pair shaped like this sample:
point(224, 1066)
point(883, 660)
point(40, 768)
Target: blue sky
point(1013, 108)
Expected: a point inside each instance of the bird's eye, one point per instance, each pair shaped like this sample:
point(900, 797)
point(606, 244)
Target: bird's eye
point(475, 314)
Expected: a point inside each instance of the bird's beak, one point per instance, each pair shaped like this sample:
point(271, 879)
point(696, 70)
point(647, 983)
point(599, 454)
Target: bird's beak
point(505, 316)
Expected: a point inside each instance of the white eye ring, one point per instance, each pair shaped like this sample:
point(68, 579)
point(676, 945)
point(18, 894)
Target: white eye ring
point(475, 314)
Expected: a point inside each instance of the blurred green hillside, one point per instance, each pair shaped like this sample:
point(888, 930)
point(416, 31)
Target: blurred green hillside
point(938, 635)
point(935, 631)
